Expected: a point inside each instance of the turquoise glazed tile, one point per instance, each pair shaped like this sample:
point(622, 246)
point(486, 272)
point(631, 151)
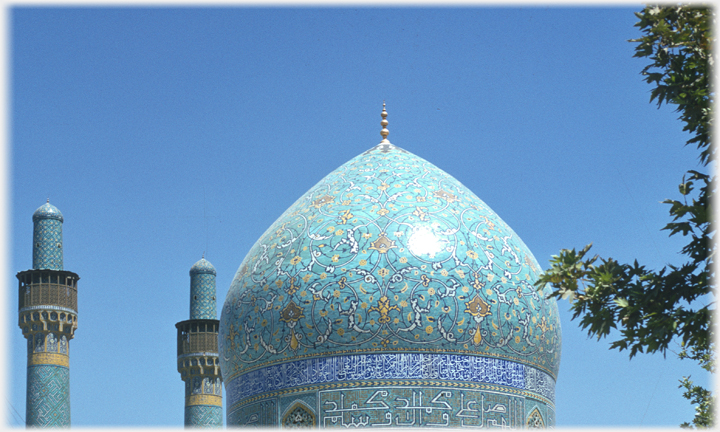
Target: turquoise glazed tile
point(44, 325)
point(206, 416)
point(47, 238)
point(203, 304)
point(389, 256)
point(48, 396)
point(197, 352)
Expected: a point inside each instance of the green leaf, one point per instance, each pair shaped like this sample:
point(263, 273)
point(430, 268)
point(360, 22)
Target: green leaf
point(654, 310)
point(623, 303)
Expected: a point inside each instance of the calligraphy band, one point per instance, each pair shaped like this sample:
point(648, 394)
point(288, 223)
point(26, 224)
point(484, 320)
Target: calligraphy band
point(392, 366)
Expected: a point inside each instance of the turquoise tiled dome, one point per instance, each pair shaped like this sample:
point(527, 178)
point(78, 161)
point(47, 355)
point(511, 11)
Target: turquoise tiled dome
point(47, 211)
point(202, 267)
point(386, 272)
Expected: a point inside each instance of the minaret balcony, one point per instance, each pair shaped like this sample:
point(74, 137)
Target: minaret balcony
point(197, 336)
point(56, 289)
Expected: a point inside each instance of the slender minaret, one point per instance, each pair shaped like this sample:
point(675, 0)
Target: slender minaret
point(48, 319)
point(197, 342)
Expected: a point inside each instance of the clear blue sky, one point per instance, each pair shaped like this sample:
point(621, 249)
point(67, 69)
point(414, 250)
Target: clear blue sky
point(164, 133)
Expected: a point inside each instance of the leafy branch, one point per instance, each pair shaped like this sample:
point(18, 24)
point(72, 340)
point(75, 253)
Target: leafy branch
point(652, 309)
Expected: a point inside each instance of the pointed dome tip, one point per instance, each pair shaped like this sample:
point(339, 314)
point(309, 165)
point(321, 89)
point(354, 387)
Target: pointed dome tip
point(384, 132)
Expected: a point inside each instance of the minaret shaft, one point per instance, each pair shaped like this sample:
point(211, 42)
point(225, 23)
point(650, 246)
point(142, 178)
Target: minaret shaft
point(47, 316)
point(199, 368)
point(47, 238)
point(197, 342)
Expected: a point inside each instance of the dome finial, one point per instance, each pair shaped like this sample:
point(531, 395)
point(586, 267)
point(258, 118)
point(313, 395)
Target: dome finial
point(384, 132)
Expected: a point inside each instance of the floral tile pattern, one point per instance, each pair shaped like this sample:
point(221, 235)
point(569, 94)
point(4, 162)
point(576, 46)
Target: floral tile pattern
point(387, 254)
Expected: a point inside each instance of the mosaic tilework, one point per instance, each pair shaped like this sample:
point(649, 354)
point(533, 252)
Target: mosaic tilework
point(202, 393)
point(287, 403)
point(260, 414)
point(47, 211)
point(47, 239)
point(203, 304)
point(387, 254)
point(199, 370)
point(400, 406)
point(47, 327)
point(534, 417)
point(418, 407)
point(390, 366)
point(299, 416)
point(210, 385)
point(540, 382)
point(202, 267)
point(48, 396)
point(203, 416)
point(550, 416)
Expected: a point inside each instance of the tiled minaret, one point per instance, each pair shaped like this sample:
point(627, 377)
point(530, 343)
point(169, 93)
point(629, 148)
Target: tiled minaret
point(198, 361)
point(48, 319)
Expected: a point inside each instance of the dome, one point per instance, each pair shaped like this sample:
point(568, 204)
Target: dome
point(47, 211)
point(387, 281)
point(202, 267)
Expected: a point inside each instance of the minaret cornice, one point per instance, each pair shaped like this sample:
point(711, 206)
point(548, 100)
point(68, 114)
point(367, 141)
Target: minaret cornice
point(48, 318)
point(198, 360)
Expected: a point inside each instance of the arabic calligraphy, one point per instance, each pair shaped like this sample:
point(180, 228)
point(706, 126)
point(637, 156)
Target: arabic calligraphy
point(389, 295)
point(390, 366)
point(373, 407)
point(258, 414)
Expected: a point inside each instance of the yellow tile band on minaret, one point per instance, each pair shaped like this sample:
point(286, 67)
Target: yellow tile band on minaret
point(47, 316)
point(197, 350)
point(48, 359)
point(203, 399)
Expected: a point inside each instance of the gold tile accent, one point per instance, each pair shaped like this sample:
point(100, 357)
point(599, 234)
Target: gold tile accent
point(203, 399)
point(48, 359)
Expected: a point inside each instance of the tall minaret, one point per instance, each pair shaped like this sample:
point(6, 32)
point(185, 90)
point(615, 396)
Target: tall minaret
point(48, 319)
point(197, 341)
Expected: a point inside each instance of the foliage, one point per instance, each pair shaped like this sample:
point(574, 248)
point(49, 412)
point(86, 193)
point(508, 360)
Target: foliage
point(697, 395)
point(678, 41)
point(651, 309)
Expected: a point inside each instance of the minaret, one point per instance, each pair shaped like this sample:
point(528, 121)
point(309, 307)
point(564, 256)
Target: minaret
point(48, 319)
point(197, 342)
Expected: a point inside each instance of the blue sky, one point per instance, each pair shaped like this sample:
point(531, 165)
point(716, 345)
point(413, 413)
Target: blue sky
point(165, 133)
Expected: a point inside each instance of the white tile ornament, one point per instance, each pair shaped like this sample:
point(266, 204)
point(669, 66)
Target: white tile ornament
point(389, 277)
point(197, 351)
point(392, 366)
point(47, 294)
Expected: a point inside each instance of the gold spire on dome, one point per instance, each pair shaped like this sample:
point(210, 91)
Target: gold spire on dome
point(384, 132)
